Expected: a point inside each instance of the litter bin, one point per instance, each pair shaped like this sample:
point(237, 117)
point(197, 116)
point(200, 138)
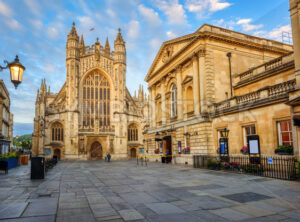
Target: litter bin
point(37, 167)
point(163, 159)
point(24, 159)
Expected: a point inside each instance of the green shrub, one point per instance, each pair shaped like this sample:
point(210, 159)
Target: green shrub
point(284, 149)
point(9, 155)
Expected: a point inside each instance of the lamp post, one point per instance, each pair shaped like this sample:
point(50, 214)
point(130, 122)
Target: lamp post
point(224, 145)
point(229, 60)
point(16, 71)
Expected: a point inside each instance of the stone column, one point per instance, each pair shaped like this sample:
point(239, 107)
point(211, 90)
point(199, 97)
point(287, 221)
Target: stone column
point(152, 103)
point(179, 92)
point(163, 102)
point(196, 84)
point(202, 78)
point(295, 21)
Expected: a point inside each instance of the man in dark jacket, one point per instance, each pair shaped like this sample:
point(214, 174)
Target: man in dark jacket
point(108, 157)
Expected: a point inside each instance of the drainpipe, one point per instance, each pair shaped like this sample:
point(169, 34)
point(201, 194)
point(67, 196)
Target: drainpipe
point(229, 60)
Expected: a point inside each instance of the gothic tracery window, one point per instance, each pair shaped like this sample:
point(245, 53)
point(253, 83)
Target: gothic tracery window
point(96, 100)
point(57, 132)
point(132, 133)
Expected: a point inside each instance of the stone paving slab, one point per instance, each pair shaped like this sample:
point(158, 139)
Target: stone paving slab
point(130, 214)
point(12, 210)
point(121, 191)
point(246, 197)
point(33, 219)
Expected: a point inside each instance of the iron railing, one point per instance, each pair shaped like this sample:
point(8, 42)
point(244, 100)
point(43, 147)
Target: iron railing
point(279, 167)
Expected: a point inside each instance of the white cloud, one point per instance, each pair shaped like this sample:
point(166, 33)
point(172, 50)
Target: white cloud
point(276, 33)
point(111, 13)
point(171, 35)
point(13, 24)
point(174, 11)
point(133, 29)
point(243, 21)
point(150, 15)
point(155, 43)
point(5, 10)
point(204, 7)
point(37, 24)
point(217, 5)
point(49, 68)
point(86, 21)
point(52, 32)
point(246, 26)
point(33, 6)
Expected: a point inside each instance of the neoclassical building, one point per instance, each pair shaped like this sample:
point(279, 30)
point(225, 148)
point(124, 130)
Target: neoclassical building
point(217, 78)
point(93, 114)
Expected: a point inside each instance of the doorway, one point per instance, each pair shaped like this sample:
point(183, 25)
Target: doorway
point(168, 148)
point(96, 151)
point(133, 153)
point(57, 153)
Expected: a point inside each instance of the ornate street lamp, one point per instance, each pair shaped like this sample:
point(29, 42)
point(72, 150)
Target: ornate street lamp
point(223, 141)
point(16, 71)
point(224, 132)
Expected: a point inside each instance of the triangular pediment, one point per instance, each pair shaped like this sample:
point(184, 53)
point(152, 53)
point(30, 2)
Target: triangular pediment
point(187, 79)
point(168, 51)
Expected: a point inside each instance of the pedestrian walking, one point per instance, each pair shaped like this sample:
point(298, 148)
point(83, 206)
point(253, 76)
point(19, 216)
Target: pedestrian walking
point(108, 157)
point(105, 158)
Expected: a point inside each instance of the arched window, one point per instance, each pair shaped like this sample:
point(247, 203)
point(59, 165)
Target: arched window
point(189, 99)
point(173, 100)
point(133, 133)
point(96, 100)
point(57, 132)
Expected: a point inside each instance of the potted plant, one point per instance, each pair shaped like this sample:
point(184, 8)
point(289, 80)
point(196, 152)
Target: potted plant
point(245, 150)
point(284, 150)
point(187, 150)
point(226, 166)
point(235, 166)
point(11, 158)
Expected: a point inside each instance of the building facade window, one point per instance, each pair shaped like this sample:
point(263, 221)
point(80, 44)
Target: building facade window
point(285, 134)
point(57, 132)
point(248, 131)
point(96, 100)
point(173, 100)
point(133, 133)
point(189, 99)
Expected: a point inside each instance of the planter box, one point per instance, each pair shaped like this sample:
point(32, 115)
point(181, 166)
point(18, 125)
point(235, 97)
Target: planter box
point(12, 162)
point(281, 153)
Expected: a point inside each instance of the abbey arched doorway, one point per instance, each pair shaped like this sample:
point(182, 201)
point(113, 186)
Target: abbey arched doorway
point(133, 153)
point(57, 153)
point(96, 151)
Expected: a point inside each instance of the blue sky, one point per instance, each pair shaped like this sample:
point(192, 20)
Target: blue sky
point(36, 30)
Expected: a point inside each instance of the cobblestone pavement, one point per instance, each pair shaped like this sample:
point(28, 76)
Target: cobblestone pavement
point(122, 191)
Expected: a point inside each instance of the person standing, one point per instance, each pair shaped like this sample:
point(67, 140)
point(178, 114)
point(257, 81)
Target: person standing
point(108, 157)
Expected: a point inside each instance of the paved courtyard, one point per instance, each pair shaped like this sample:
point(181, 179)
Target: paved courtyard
point(122, 191)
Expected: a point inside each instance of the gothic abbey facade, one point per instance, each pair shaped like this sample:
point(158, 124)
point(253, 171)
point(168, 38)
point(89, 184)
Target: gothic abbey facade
point(93, 114)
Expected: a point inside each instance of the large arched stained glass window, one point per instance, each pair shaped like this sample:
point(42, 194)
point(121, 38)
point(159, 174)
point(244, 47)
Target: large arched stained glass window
point(96, 100)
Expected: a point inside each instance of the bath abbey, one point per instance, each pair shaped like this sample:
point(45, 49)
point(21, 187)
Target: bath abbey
point(93, 114)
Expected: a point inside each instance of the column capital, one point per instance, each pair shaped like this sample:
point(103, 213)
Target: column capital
point(178, 68)
point(194, 56)
point(201, 52)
